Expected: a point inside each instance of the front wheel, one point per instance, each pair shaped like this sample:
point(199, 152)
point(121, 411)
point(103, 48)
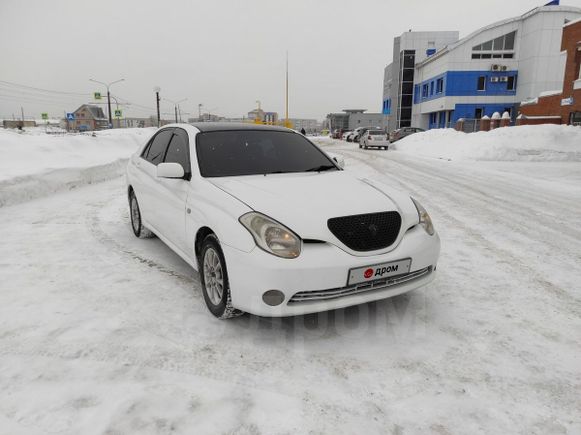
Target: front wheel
point(214, 278)
point(136, 223)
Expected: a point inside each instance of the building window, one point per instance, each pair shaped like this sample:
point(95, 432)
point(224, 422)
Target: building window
point(478, 113)
point(507, 55)
point(482, 83)
point(431, 88)
point(511, 83)
point(425, 91)
point(440, 86)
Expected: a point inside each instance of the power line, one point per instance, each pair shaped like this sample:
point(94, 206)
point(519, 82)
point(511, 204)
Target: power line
point(42, 89)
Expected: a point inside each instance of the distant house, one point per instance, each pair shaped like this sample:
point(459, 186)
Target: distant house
point(89, 118)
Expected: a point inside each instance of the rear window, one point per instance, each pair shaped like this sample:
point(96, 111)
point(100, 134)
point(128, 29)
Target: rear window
point(252, 152)
point(375, 132)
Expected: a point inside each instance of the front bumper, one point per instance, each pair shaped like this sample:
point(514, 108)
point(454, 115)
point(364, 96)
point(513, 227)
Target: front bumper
point(322, 267)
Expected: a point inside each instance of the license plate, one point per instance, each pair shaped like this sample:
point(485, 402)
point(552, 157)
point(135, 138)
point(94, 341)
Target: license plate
point(379, 271)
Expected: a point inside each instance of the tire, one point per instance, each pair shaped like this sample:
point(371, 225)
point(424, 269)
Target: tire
point(214, 279)
point(360, 146)
point(136, 224)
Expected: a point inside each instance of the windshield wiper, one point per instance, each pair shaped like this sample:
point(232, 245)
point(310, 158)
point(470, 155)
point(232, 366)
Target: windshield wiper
point(321, 168)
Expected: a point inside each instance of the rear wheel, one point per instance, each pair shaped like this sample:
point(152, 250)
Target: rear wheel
point(214, 277)
point(136, 223)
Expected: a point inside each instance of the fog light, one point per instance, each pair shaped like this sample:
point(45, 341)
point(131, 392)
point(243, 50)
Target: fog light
point(273, 297)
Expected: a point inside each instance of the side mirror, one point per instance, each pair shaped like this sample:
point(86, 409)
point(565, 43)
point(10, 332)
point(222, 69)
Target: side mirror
point(170, 170)
point(340, 162)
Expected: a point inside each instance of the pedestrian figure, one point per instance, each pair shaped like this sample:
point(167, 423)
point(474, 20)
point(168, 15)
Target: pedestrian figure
point(303, 132)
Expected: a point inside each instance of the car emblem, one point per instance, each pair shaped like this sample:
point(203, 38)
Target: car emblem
point(373, 229)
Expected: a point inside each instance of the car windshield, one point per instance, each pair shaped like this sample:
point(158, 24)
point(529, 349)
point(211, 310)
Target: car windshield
point(375, 132)
point(251, 152)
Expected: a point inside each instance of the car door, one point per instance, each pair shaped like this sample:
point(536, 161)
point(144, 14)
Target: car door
point(148, 193)
point(173, 192)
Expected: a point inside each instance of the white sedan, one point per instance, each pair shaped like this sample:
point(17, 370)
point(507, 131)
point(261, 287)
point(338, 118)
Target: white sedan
point(374, 139)
point(274, 226)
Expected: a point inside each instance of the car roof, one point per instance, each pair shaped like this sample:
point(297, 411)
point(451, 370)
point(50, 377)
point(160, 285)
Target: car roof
point(230, 126)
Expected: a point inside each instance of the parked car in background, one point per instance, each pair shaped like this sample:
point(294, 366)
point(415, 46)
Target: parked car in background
point(230, 199)
point(358, 132)
point(337, 133)
point(400, 133)
point(374, 139)
point(346, 135)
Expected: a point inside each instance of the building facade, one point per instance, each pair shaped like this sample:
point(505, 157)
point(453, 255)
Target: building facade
point(89, 118)
point(399, 77)
point(562, 107)
point(491, 70)
point(350, 119)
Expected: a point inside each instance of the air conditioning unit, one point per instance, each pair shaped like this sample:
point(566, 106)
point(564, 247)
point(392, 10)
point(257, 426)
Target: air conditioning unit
point(494, 79)
point(504, 68)
point(495, 67)
point(504, 79)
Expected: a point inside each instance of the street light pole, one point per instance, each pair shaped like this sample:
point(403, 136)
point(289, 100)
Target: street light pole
point(108, 85)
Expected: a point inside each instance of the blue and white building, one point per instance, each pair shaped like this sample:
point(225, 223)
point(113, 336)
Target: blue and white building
point(490, 70)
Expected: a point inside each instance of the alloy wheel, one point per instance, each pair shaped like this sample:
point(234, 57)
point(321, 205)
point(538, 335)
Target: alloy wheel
point(213, 276)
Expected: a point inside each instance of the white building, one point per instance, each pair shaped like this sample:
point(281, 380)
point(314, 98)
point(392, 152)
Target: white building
point(492, 69)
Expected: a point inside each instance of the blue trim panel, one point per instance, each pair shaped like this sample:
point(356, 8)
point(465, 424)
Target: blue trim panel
point(462, 84)
point(386, 109)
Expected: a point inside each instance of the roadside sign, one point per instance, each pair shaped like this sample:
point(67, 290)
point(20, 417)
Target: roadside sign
point(70, 116)
point(44, 115)
point(97, 95)
point(118, 113)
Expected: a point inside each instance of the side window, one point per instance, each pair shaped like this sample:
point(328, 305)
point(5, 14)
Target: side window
point(177, 151)
point(158, 146)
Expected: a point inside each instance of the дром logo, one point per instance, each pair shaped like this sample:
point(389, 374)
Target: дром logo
point(368, 273)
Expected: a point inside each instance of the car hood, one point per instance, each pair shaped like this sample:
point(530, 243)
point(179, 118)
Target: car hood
point(305, 201)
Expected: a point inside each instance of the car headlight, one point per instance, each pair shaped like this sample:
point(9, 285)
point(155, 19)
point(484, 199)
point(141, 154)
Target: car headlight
point(272, 236)
point(425, 219)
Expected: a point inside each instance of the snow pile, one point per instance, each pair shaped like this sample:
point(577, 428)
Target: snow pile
point(35, 164)
point(555, 143)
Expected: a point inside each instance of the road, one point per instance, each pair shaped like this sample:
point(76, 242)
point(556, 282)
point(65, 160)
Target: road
point(104, 333)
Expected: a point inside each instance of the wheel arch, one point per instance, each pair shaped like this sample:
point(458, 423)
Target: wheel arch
point(201, 234)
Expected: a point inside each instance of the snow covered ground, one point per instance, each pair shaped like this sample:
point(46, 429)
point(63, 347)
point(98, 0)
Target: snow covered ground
point(35, 163)
point(526, 143)
point(104, 333)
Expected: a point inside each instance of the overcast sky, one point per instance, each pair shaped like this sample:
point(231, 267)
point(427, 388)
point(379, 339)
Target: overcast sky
point(222, 54)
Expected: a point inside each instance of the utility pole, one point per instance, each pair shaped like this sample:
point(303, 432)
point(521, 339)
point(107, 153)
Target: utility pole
point(200, 112)
point(157, 89)
point(108, 85)
point(22, 113)
point(175, 106)
point(286, 99)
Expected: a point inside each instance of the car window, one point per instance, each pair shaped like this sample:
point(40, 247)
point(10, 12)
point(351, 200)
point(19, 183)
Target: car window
point(251, 152)
point(177, 151)
point(375, 132)
point(158, 146)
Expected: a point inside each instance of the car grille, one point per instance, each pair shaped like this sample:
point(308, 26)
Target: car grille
point(366, 232)
point(322, 295)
